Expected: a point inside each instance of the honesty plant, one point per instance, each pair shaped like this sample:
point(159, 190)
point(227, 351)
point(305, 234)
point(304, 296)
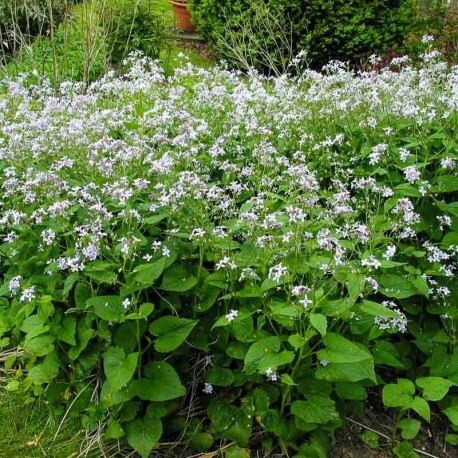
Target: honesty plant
point(221, 256)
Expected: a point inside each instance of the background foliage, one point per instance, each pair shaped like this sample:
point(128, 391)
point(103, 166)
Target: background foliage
point(327, 30)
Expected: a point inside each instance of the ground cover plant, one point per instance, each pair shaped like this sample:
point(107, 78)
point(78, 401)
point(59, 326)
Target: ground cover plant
point(230, 262)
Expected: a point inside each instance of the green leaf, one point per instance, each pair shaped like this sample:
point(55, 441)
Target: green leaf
point(434, 388)
point(421, 407)
point(143, 312)
point(162, 383)
point(451, 439)
point(397, 286)
point(103, 276)
point(46, 371)
point(109, 308)
point(316, 409)
point(147, 274)
point(347, 372)
point(387, 354)
point(452, 414)
point(409, 428)
point(171, 332)
point(287, 380)
point(394, 396)
point(375, 309)
point(118, 368)
point(232, 422)
point(113, 430)
point(296, 341)
point(237, 350)
point(370, 438)
point(176, 279)
point(201, 442)
point(319, 322)
point(65, 330)
point(341, 350)
point(275, 360)
point(143, 435)
point(237, 452)
point(39, 346)
point(82, 294)
point(258, 350)
point(405, 450)
point(407, 386)
point(220, 377)
point(351, 391)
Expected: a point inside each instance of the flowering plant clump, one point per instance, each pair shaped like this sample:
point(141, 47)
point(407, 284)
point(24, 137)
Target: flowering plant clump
point(217, 256)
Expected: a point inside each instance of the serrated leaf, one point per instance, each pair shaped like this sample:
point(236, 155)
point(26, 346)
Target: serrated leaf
point(341, 350)
point(177, 280)
point(39, 346)
point(296, 341)
point(118, 368)
point(143, 435)
point(260, 349)
point(275, 360)
point(171, 332)
point(46, 371)
point(147, 274)
point(319, 322)
point(162, 383)
point(219, 377)
point(109, 308)
point(397, 286)
point(65, 330)
point(316, 409)
point(143, 312)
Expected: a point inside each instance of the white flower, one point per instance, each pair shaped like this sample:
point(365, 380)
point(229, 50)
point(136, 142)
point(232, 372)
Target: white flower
point(15, 284)
point(28, 294)
point(373, 283)
point(412, 174)
point(427, 39)
point(208, 388)
point(232, 315)
point(371, 262)
point(197, 233)
point(390, 252)
point(278, 272)
point(48, 236)
point(448, 163)
point(126, 302)
point(226, 262)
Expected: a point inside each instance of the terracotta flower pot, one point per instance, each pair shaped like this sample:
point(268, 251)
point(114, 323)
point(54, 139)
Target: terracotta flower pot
point(182, 16)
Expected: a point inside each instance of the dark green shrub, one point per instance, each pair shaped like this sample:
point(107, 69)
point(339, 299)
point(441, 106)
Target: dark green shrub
point(346, 30)
point(135, 26)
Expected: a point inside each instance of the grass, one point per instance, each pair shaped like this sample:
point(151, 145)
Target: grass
point(28, 429)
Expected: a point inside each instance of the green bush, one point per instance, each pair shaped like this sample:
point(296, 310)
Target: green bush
point(216, 258)
point(346, 30)
point(135, 26)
